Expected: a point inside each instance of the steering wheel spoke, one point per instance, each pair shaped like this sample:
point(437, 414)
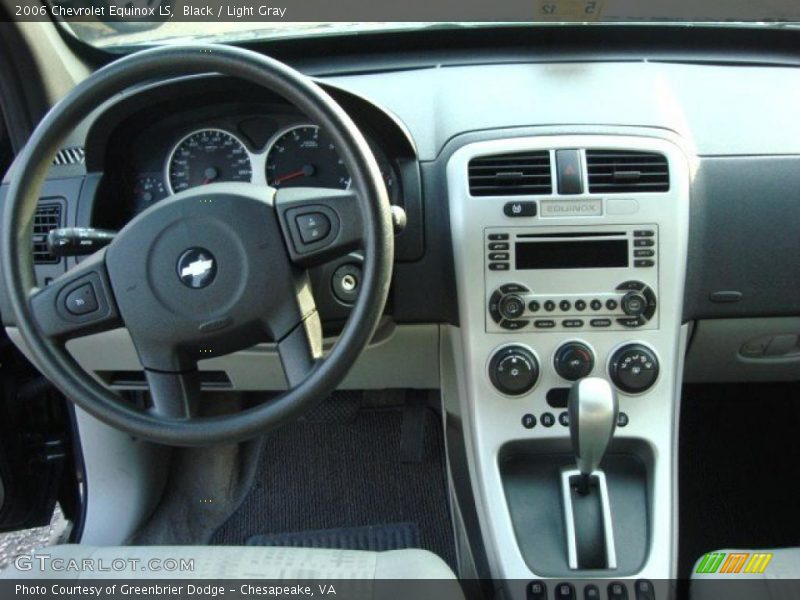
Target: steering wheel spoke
point(319, 224)
point(174, 395)
point(78, 303)
point(301, 349)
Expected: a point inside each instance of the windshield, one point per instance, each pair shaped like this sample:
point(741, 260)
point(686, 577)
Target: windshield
point(125, 23)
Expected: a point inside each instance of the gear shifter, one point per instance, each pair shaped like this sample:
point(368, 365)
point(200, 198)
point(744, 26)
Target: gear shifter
point(593, 412)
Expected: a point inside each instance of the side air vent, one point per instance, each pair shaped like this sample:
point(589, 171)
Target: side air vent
point(520, 174)
point(617, 171)
point(70, 156)
point(48, 216)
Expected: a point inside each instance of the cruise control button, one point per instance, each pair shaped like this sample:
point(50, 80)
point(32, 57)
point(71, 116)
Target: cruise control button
point(313, 227)
point(520, 209)
point(82, 300)
point(544, 324)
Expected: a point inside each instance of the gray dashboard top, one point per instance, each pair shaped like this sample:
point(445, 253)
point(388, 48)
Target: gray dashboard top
point(717, 109)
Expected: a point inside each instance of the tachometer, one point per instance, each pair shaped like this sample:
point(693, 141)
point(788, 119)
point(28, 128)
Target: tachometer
point(207, 156)
point(304, 156)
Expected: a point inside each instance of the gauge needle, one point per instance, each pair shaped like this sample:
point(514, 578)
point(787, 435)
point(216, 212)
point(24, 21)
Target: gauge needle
point(306, 171)
point(209, 175)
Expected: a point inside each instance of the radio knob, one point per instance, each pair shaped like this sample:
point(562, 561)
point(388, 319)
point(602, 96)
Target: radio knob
point(514, 370)
point(634, 304)
point(511, 306)
point(634, 368)
point(574, 361)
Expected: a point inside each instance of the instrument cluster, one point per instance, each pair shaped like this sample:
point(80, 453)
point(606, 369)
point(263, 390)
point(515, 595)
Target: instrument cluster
point(270, 151)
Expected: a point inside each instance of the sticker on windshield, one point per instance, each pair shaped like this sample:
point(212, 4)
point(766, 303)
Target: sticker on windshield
point(569, 10)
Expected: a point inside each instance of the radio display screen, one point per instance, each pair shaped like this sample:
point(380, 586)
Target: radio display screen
point(596, 254)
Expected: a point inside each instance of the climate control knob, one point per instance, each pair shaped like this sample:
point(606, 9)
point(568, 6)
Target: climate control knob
point(574, 361)
point(634, 368)
point(514, 370)
point(511, 306)
point(634, 304)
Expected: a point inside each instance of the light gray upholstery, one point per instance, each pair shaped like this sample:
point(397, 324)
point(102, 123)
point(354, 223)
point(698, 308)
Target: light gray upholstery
point(232, 562)
point(780, 580)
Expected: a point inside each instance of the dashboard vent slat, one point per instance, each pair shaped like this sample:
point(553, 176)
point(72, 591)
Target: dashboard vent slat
point(75, 155)
point(617, 171)
point(48, 216)
point(517, 174)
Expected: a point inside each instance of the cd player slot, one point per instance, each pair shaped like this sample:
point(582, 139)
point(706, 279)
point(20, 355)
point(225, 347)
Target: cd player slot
point(586, 234)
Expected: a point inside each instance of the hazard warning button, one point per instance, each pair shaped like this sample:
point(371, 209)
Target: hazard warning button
point(570, 172)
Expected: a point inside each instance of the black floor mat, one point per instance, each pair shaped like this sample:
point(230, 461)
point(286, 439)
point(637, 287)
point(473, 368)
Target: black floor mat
point(375, 538)
point(340, 467)
point(739, 469)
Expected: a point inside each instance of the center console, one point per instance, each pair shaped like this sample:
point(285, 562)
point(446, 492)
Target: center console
point(570, 256)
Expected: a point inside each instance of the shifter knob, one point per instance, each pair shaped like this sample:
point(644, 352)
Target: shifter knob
point(593, 412)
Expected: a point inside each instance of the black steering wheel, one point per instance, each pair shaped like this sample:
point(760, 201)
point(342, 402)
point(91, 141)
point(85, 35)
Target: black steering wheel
point(206, 272)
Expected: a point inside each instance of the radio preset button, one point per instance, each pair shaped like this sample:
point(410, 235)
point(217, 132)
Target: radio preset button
point(544, 324)
point(498, 237)
point(611, 304)
point(549, 306)
point(520, 209)
point(534, 306)
point(580, 305)
point(498, 266)
point(565, 305)
point(495, 246)
point(600, 322)
point(572, 323)
point(596, 305)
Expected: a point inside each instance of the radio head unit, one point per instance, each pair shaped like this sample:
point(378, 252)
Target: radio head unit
point(563, 278)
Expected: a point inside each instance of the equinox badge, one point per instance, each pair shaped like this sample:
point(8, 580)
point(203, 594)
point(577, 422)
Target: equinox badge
point(197, 268)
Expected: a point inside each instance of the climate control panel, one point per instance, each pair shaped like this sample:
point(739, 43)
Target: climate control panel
point(515, 307)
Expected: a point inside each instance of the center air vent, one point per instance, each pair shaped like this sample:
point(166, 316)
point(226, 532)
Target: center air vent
point(48, 216)
point(617, 171)
point(520, 174)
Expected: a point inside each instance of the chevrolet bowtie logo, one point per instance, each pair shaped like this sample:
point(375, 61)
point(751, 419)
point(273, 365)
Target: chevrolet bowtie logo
point(197, 268)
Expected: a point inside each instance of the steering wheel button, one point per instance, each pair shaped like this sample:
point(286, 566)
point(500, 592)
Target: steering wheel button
point(313, 227)
point(82, 300)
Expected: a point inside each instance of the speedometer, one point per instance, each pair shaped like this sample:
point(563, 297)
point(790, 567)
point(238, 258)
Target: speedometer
point(207, 156)
point(302, 155)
